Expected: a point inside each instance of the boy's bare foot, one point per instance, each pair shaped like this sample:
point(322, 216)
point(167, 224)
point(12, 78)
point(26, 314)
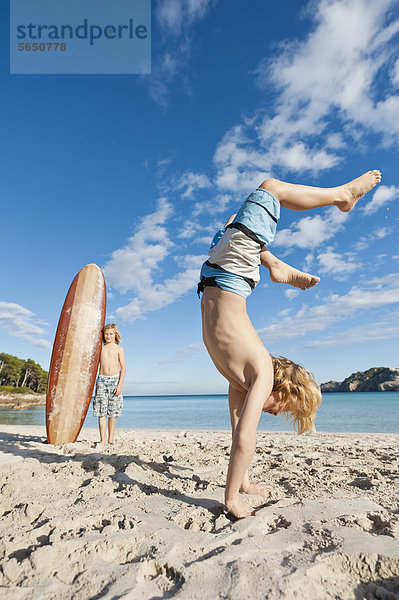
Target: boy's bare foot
point(352, 191)
point(239, 509)
point(280, 272)
point(261, 489)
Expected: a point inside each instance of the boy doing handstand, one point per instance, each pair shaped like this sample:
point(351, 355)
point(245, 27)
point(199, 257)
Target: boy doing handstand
point(257, 381)
point(108, 400)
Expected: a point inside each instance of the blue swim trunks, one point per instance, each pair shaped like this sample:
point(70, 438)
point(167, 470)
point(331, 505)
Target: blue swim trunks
point(105, 403)
point(234, 256)
point(259, 214)
point(214, 276)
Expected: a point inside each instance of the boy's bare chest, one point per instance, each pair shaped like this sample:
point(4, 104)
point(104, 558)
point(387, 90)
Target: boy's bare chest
point(109, 354)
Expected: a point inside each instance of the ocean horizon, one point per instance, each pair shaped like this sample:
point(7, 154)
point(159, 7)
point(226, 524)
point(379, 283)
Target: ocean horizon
point(353, 412)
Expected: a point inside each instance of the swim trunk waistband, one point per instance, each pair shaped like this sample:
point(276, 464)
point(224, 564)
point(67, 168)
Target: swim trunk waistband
point(230, 282)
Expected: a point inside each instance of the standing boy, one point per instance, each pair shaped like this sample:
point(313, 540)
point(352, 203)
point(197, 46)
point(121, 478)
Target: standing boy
point(108, 400)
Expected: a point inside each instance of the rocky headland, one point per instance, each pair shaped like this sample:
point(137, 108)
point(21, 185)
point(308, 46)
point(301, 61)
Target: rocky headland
point(21, 401)
point(377, 379)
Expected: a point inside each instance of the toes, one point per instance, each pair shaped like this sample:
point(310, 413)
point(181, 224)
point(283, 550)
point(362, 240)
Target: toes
point(312, 283)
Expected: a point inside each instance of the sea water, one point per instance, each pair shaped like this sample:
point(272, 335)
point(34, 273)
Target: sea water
point(350, 412)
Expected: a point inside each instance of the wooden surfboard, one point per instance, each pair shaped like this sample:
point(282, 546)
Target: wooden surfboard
point(75, 357)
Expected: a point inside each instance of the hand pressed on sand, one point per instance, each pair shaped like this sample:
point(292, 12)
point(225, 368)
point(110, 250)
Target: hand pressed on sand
point(239, 509)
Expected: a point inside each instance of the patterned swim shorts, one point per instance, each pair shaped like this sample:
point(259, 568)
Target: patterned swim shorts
point(105, 403)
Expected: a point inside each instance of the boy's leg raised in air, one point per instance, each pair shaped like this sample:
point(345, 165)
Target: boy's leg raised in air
point(280, 272)
point(304, 197)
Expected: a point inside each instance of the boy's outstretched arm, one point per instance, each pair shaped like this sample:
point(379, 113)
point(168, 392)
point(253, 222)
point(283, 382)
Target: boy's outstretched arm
point(220, 233)
point(243, 446)
point(230, 220)
point(236, 402)
point(281, 272)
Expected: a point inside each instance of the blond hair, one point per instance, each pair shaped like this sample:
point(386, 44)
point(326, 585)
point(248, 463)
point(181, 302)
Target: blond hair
point(118, 337)
point(301, 395)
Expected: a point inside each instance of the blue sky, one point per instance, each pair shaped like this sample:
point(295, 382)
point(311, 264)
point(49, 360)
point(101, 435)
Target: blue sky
point(135, 173)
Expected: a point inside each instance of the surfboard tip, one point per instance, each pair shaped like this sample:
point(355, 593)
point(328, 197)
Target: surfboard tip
point(92, 265)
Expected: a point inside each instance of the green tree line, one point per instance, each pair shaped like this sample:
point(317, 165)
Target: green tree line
point(18, 373)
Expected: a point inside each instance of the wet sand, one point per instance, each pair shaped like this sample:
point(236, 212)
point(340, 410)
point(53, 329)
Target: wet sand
point(144, 518)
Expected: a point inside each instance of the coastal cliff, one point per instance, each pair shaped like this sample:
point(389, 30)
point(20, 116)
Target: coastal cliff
point(377, 379)
point(21, 401)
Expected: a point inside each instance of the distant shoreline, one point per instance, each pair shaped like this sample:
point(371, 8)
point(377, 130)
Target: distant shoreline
point(376, 379)
point(21, 401)
point(360, 392)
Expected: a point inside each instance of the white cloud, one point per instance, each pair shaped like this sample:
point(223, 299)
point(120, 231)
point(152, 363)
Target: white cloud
point(189, 228)
point(335, 141)
point(327, 96)
point(366, 240)
point(334, 68)
point(335, 264)
point(240, 167)
point(131, 267)
point(218, 203)
point(395, 74)
point(335, 308)
point(381, 233)
point(381, 196)
point(190, 182)
point(171, 15)
point(137, 266)
point(380, 258)
point(384, 328)
point(203, 240)
point(291, 294)
point(310, 232)
point(285, 311)
point(308, 262)
point(165, 69)
point(159, 295)
point(182, 353)
point(174, 18)
point(20, 322)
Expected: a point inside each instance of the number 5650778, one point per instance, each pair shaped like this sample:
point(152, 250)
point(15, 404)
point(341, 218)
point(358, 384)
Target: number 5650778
point(41, 47)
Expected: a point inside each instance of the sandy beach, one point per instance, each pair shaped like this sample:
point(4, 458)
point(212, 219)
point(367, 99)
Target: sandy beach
point(144, 518)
